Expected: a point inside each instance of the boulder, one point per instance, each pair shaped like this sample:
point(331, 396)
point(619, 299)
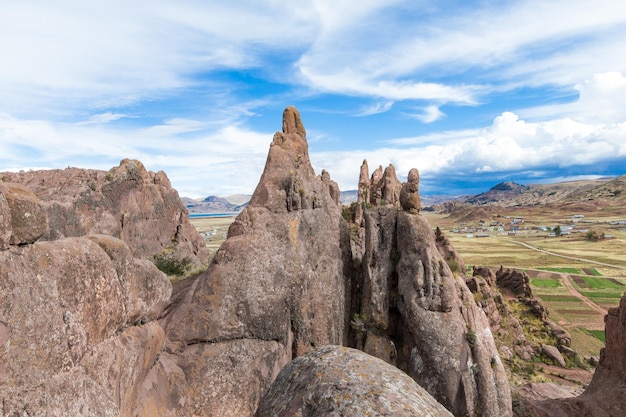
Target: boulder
point(409, 193)
point(335, 380)
point(25, 218)
point(554, 355)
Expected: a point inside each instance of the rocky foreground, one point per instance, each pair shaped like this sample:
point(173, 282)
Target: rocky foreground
point(90, 325)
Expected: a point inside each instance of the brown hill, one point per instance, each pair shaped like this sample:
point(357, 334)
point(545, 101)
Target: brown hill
point(583, 195)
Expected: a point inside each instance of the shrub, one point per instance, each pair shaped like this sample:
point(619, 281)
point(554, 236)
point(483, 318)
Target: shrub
point(170, 265)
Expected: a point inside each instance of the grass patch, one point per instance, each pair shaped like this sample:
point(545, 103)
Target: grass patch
point(603, 283)
point(563, 270)
point(598, 334)
point(602, 294)
point(592, 271)
point(559, 298)
point(545, 283)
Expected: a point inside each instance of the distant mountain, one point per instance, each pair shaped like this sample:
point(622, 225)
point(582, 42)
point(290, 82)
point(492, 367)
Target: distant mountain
point(347, 197)
point(499, 192)
point(215, 204)
point(571, 196)
point(583, 196)
point(236, 202)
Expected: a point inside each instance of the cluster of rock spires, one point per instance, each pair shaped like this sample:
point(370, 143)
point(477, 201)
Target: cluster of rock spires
point(90, 326)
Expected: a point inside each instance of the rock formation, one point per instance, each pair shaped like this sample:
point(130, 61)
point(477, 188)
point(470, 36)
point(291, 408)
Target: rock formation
point(410, 306)
point(77, 329)
point(518, 345)
point(341, 381)
point(409, 193)
point(382, 189)
point(284, 283)
point(275, 290)
point(605, 395)
point(127, 202)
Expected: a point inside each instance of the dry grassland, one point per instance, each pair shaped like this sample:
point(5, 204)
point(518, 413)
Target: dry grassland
point(213, 230)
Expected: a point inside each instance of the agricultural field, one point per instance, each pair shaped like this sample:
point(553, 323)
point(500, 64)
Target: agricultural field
point(577, 280)
point(213, 230)
point(576, 291)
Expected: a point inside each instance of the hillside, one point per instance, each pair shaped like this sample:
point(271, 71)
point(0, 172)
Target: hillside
point(606, 196)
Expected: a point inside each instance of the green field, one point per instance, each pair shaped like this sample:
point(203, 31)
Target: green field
point(545, 283)
point(571, 255)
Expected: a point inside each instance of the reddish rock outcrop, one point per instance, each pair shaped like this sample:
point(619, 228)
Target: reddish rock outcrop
point(76, 336)
point(276, 288)
point(517, 282)
point(412, 307)
point(127, 202)
point(336, 380)
point(23, 219)
point(409, 193)
point(382, 189)
point(605, 395)
point(445, 248)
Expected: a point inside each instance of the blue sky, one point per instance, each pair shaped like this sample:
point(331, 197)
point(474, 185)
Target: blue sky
point(469, 92)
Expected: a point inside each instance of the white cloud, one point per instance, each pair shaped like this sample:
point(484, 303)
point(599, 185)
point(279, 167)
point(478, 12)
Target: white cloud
point(400, 53)
point(429, 114)
point(376, 108)
point(602, 99)
point(228, 159)
point(76, 54)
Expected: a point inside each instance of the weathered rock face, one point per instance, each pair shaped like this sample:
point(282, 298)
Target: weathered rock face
point(409, 193)
point(277, 282)
point(337, 380)
point(454, 261)
point(410, 307)
point(517, 282)
point(22, 217)
point(605, 395)
point(127, 202)
point(77, 335)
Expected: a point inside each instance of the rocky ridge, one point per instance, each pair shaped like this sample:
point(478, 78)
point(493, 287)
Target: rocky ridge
point(605, 395)
point(283, 284)
point(292, 277)
point(569, 196)
point(127, 202)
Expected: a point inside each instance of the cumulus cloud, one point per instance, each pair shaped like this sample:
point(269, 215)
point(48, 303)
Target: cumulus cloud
point(227, 159)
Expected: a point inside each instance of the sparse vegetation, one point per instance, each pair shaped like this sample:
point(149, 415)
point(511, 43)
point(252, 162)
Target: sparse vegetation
point(347, 212)
point(594, 235)
point(470, 335)
point(598, 334)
